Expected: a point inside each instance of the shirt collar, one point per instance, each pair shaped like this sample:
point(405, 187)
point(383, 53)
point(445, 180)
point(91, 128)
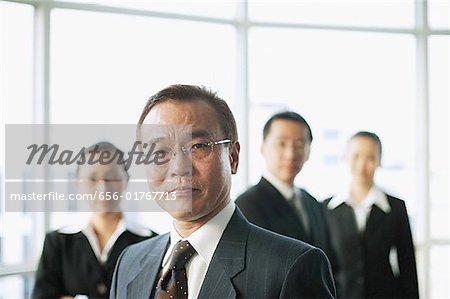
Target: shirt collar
point(374, 197)
point(286, 190)
point(129, 225)
point(88, 231)
point(206, 238)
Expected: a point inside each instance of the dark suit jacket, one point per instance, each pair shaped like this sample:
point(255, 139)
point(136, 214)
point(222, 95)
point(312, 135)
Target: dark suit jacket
point(363, 259)
point(68, 266)
point(266, 207)
point(248, 262)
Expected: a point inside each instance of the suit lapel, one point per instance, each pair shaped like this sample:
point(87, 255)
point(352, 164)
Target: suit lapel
point(375, 220)
point(345, 221)
point(276, 202)
point(316, 233)
point(143, 279)
point(228, 260)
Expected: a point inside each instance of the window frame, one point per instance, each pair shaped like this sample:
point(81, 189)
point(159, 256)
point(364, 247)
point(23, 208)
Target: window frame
point(242, 24)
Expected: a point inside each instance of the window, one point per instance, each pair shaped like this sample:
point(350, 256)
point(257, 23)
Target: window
point(115, 72)
point(341, 82)
point(344, 65)
point(16, 231)
point(17, 62)
point(20, 233)
point(439, 14)
point(205, 8)
point(101, 71)
point(439, 271)
point(439, 49)
point(16, 286)
point(366, 13)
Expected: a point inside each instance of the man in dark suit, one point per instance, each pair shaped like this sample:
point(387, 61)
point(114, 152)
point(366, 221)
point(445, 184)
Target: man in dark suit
point(212, 251)
point(275, 203)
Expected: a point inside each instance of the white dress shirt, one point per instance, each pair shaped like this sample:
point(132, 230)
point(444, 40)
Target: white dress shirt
point(205, 241)
point(362, 209)
point(286, 190)
point(87, 230)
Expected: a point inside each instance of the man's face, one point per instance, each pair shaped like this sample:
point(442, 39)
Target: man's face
point(363, 157)
point(286, 149)
point(207, 181)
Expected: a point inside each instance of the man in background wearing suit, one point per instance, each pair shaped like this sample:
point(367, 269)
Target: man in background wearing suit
point(212, 251)
point(275, 203)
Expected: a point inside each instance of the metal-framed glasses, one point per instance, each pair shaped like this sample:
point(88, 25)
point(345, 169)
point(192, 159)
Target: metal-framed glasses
point(196, 150)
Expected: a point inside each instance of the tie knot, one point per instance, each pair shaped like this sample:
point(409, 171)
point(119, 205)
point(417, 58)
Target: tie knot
point(181, 254)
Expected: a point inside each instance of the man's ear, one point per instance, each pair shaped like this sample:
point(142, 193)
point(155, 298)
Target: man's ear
point(264, 149)
point(234, 156)
point(124, 184)
point(309, 152)
point(78, 185)
point(379, 162)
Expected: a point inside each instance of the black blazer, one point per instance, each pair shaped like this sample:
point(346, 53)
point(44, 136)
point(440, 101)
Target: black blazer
point(266, 207)
point(249, 262)
point(68, 266)
point(363, 258)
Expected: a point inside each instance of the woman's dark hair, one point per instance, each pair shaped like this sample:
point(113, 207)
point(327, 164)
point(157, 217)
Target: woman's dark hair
point(372, 136)
point(104, 146)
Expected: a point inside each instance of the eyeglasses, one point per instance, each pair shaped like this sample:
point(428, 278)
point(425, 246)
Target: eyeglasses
point(196, 150)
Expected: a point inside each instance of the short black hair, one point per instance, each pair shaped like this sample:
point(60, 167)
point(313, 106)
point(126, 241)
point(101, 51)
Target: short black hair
point(185, 93)
point(372, 136)
point(287, 115)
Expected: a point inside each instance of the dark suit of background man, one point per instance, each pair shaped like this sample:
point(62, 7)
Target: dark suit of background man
point(232, 257)
point(275, 203)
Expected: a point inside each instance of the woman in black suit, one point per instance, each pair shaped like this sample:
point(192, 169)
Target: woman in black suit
point(80, 263)
point(370, 231)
